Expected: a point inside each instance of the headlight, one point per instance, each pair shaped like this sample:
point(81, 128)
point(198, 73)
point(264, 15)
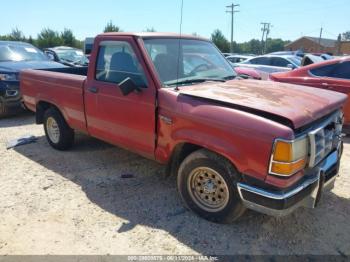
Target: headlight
point(8, 77)
point(289, 157)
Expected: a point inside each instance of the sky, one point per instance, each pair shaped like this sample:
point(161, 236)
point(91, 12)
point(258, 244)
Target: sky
point(290, 19)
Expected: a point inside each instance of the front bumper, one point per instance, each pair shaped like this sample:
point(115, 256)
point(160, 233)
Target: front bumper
point(10, 97)
point(306, 193)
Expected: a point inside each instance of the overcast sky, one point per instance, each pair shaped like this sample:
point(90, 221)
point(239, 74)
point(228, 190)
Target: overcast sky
point(290, 18)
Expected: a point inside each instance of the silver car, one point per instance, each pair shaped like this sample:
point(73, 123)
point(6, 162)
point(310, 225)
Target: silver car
point(272, 63)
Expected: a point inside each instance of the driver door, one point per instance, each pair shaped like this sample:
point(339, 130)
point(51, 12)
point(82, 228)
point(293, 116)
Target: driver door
point(127, 121)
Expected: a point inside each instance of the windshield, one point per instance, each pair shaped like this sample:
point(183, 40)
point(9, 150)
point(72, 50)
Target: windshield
point(13, 52)
point(185, 61)
point(72, 55)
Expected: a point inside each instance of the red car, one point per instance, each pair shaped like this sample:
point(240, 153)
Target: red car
point(246, 72)
point(331, 75)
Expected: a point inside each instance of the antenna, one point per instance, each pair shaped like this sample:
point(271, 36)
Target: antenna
point(178, 57)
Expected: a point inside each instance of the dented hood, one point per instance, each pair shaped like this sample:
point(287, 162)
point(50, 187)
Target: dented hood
point(300, 105)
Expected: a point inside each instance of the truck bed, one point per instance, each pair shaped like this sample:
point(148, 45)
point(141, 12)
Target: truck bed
point(82, 71)
point(63, 87)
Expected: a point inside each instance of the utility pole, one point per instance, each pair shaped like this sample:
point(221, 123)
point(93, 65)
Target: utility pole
point(232, 11)
point(319, 40)
point(265, 32)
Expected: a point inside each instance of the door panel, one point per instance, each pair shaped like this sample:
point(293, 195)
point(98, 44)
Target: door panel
point(128, 121)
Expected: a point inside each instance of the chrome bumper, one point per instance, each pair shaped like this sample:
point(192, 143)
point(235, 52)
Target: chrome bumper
point(306, 194)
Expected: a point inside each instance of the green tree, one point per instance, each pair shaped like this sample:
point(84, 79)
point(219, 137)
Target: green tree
point(16, 35)
point(110, 27)
point(150, 30)
point(68, 38)
point(49, 38)
point(346, 36)
point(274, 45)
point(31, 41)
point(220, 41)
point(251, 47)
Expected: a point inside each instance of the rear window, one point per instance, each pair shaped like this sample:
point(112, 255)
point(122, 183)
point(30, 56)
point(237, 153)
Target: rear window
point(280, 62)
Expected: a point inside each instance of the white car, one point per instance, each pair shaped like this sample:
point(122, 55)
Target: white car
point(238, 58)
point(272, 63)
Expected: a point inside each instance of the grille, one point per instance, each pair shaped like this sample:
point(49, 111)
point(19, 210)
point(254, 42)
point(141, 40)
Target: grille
point(325, 138)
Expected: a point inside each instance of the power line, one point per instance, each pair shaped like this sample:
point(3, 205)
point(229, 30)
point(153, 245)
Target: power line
point(232, 11)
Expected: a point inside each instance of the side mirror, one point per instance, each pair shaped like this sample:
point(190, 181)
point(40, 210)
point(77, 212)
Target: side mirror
point(50, 56)
point(291, 66)
point(128, 86)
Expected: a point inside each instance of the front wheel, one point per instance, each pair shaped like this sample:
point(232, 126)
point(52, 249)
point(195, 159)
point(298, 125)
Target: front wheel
point(207, 185)
point(59, 135)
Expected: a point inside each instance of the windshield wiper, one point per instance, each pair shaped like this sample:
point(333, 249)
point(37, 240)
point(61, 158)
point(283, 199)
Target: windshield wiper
point(193, 81)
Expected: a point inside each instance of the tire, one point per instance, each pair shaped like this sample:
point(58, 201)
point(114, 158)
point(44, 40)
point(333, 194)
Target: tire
point(206, 174)
point(59, 135)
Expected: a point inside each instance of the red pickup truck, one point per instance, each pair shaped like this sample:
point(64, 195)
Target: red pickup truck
point(233, 144)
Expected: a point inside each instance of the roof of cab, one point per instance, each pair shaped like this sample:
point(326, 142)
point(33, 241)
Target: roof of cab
point(153, 35)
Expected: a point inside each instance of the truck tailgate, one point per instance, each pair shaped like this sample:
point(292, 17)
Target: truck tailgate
point(65, 91)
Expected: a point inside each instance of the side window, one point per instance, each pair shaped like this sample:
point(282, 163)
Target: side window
point(342, 70)
point(117, 61)
point(323, 71)
point(277, 61)
point(260, 61)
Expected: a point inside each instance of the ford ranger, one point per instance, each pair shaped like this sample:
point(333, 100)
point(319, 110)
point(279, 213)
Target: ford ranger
point(232, 143)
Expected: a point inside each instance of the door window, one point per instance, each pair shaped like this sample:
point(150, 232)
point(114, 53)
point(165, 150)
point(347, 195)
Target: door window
point(340, 70)
point(260, 61)
point(280, 62)
point(117, 61)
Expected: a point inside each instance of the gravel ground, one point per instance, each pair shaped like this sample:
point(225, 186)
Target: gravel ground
point(77, 203)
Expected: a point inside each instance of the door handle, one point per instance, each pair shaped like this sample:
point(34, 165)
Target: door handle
point(324, 84)
point(93, 90)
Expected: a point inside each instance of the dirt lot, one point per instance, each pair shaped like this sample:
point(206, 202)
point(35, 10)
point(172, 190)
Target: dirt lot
point(77, 203)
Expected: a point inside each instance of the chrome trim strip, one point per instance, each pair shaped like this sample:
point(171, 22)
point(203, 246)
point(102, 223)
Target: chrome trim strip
point(278, 196)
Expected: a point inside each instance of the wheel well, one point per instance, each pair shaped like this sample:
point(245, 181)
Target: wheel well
point(180, 152)
point(41, 107)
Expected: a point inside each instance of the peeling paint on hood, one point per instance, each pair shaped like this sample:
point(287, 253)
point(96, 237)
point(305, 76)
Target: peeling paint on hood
point(299, 104)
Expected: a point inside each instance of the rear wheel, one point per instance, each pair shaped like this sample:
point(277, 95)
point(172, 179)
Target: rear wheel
point(59, 135)
point(207, 185)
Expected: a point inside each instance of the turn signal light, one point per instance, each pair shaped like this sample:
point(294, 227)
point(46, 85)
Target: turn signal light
point(289, 157)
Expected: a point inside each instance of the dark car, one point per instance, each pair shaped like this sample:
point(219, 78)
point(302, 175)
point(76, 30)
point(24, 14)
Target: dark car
point(14, 57)
point(68, 56)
